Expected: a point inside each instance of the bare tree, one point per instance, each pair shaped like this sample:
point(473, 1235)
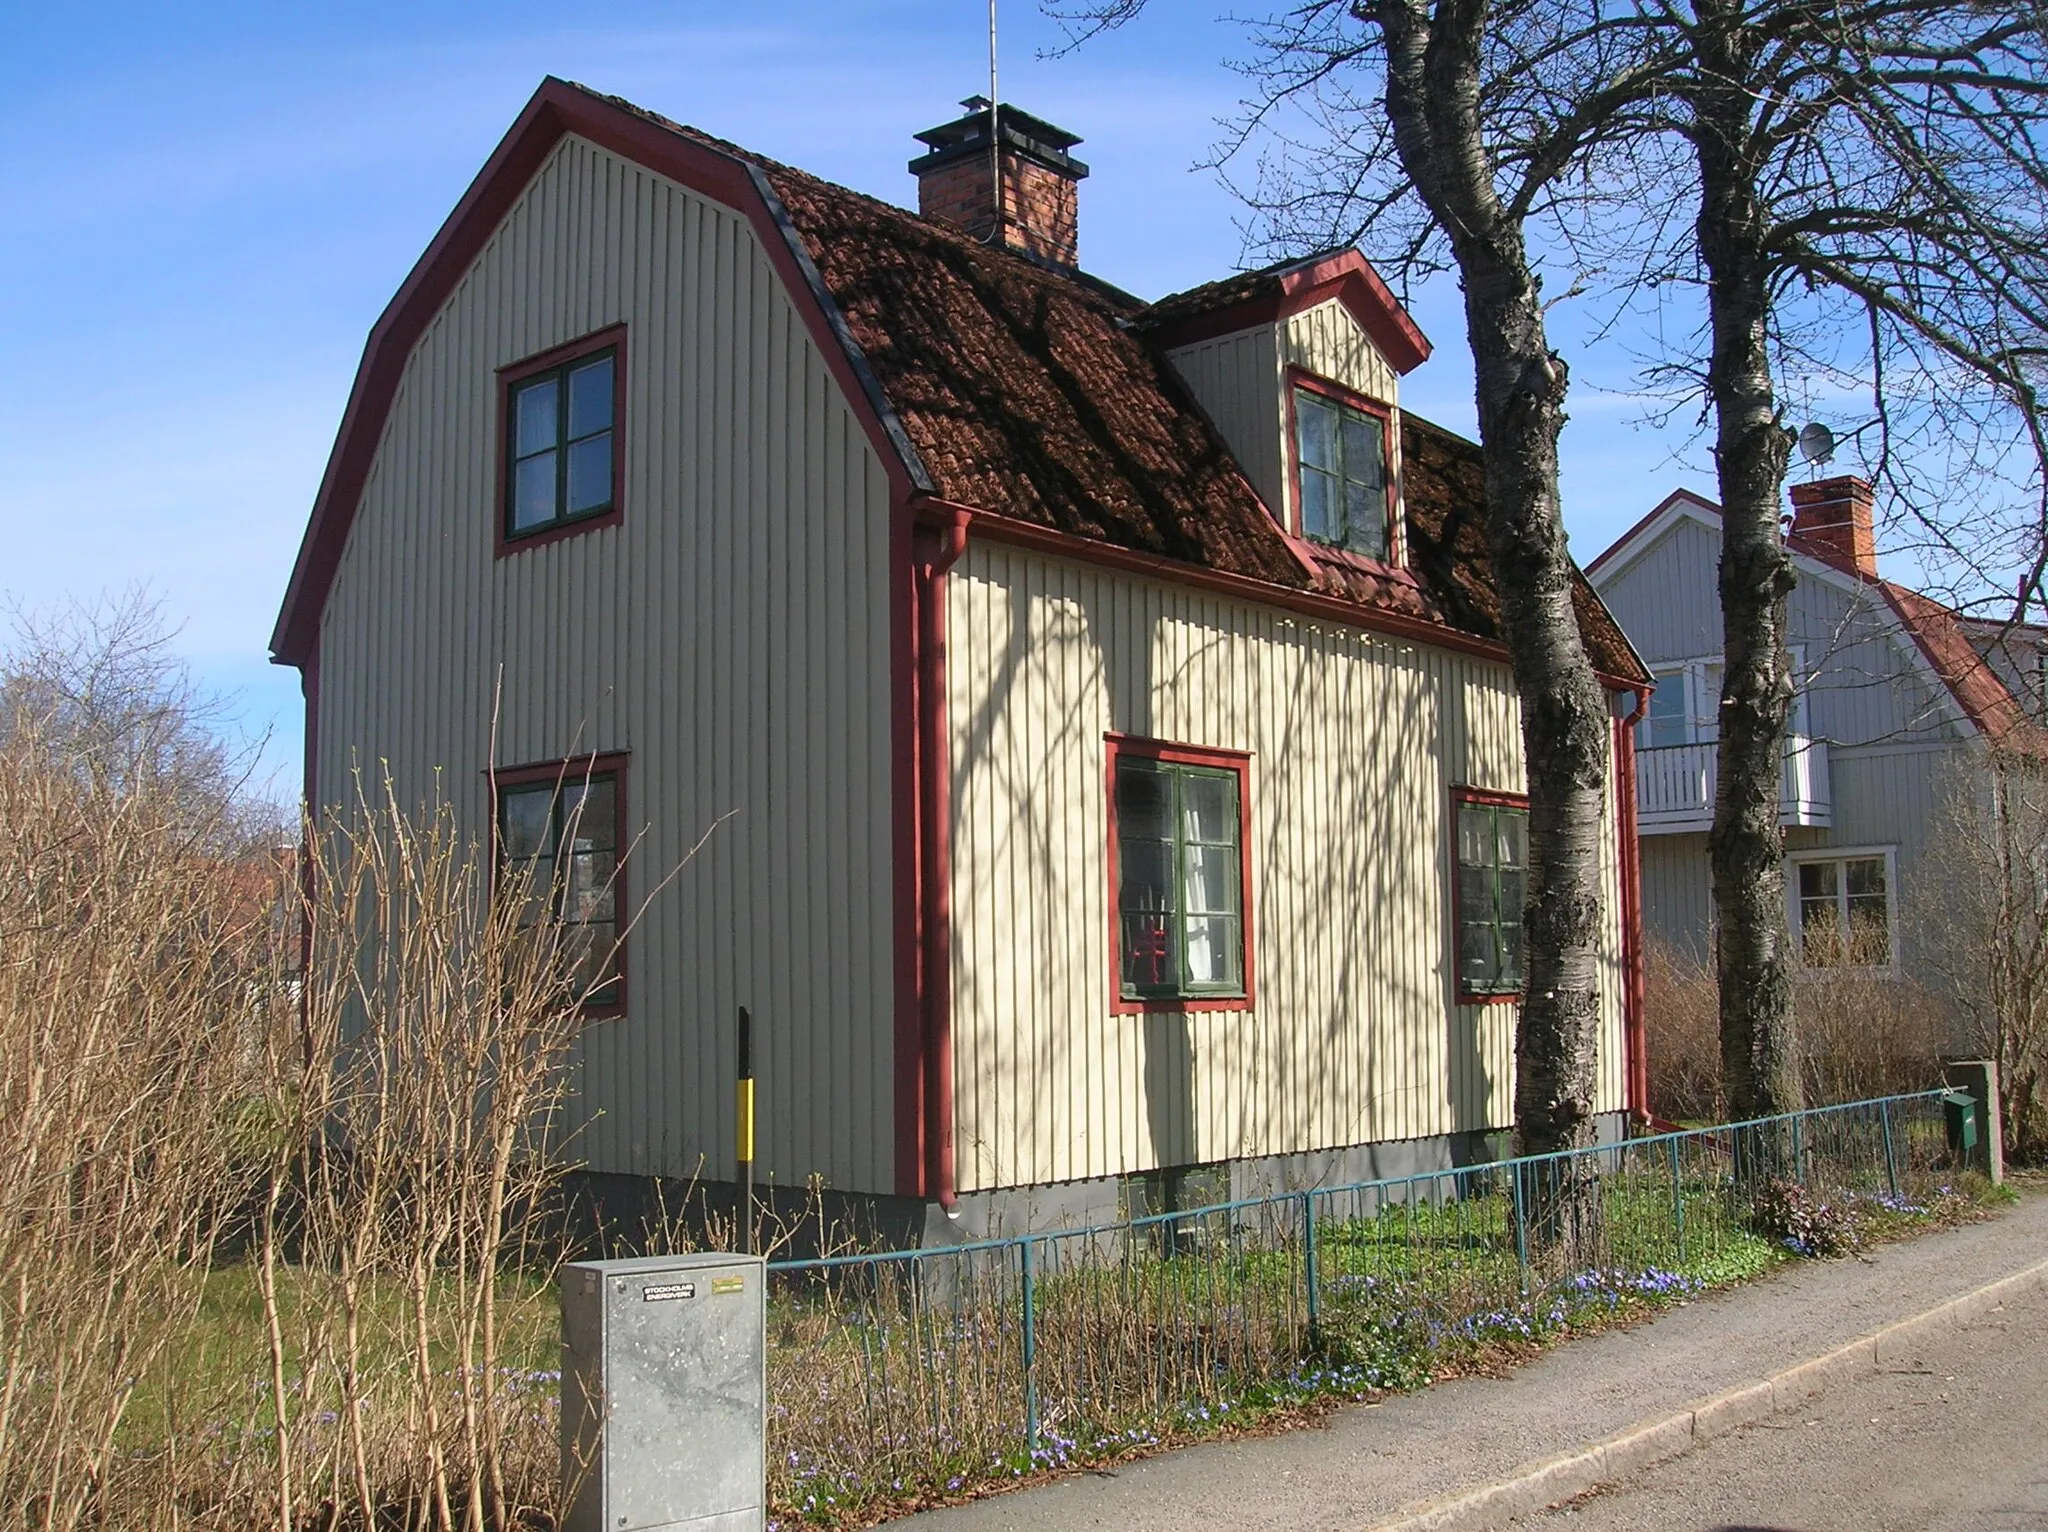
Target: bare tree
point(1870, 200)
point(1431, 156)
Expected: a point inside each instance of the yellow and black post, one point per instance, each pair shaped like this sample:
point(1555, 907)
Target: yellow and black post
point(743, 1133)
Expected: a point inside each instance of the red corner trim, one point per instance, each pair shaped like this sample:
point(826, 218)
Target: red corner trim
point(1237, 761)
point(1347, 276)
point(1459, 994)
point(556, 110)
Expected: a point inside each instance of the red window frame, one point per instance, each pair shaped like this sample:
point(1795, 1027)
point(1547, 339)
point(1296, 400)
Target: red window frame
point(1460, 796)
point(612, 337)
point(576, 768)
point(1238, 762)
point(1298, 378)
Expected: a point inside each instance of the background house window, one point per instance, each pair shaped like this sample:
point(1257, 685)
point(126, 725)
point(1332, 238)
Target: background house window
point(1177, 832)
point(1341, 459)
point(1843, 911)
point(1491, 879)
point(558, 827)
point(561, 445)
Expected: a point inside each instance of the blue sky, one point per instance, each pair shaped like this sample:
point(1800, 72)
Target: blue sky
point(209, 204)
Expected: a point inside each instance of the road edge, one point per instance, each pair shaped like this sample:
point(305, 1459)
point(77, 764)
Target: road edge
point(1546, 1481)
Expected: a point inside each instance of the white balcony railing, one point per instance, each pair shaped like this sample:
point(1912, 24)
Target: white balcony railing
point(1675, 787)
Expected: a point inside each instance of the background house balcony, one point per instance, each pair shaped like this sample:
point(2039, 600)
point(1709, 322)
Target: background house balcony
point(1675, 787)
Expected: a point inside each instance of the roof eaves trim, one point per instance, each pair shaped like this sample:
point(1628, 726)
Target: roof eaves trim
point(1346, 276)
point(1679, 505)
point(558, 109)
point(871, 386)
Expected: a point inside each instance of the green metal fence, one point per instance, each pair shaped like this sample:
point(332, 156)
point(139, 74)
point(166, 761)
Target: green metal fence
point(923, 1371)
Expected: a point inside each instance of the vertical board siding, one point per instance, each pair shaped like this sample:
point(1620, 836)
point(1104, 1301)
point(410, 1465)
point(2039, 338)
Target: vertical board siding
point(1328, 342)
point(1355, 742)
point(730, 635)
point(1236, 380)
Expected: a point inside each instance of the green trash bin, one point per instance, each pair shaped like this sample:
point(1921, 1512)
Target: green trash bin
point(1959, 1116)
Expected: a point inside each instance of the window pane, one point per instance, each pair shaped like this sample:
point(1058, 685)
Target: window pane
point(589, 959)
point(1365, 519)
point(1149, 959)
point(1475, 835)
point(1477, 895)
point(523, 820)
point(1144, 801)
point(1511, 828)
point(533, 878)
point(1145, 875)
point(1510, 977)
point(1866, 877)
point(587, 892)
point(1315, 423)
point(1668, 722)
point(590, 474)
point(589, 813)
point(1476, 967)
point(590, 398)
point(1212, 954)
point(1210, 879)
point(1817, 880)
point(1509, 893)
point(1820, 941)
point(1364, 449)
point(1208, 806)
point(536, 405)
point(533, 492)
point(1870, 932)
point(1317, 510)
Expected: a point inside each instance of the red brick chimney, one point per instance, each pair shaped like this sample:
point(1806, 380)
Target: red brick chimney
point(1834, 518)
point(956, 183)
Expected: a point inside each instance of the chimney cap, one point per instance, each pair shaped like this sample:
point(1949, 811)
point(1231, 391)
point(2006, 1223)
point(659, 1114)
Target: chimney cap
point(1033, 137)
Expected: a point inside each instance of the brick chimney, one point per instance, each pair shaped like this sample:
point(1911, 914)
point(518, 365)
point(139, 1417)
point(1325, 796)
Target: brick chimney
point(1834, 518)
point(1041, 181)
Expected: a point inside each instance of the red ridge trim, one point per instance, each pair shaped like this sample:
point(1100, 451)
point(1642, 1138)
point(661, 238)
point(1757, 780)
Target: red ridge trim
point(1347, 276)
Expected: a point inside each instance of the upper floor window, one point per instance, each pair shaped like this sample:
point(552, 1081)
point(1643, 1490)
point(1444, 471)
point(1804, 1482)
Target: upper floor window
point(1843, 910)
point(562, 439)
point(1177, 847)
point(1340, 454)
point(1490, 881)
point(558, 830)
point(1685, 709)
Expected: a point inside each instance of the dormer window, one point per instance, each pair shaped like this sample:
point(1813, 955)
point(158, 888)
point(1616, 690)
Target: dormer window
point(1341, 481)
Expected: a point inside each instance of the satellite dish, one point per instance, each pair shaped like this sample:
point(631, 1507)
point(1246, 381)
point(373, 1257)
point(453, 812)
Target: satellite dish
point(1816, 443)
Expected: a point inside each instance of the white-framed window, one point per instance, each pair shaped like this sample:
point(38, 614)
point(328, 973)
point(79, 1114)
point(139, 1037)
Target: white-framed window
point(1843, 904)
point(1685, 709)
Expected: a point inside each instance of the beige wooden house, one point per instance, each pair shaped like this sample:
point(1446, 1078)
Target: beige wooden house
point(1114, 766)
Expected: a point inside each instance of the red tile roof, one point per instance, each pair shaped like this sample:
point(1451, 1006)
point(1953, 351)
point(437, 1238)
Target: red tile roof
point(992, 382)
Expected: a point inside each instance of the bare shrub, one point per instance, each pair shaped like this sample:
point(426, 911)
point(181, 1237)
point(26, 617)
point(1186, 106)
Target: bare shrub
point(1866, 1033)
point(1682, 1030)
point(275, 1208)
point(1861, 1034)
point(1984, 925)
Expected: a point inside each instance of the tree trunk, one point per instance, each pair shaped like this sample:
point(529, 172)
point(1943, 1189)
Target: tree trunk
point(1753, 961)
point(1433, 103)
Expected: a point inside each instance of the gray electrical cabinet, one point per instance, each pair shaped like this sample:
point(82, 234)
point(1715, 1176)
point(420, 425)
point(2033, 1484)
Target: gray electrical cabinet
point(665, 1394)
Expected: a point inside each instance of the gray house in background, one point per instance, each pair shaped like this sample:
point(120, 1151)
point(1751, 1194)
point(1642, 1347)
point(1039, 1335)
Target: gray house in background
point(1898, 691)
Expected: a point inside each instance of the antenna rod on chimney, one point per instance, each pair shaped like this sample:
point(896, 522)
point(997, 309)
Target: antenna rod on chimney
point(995, 142)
